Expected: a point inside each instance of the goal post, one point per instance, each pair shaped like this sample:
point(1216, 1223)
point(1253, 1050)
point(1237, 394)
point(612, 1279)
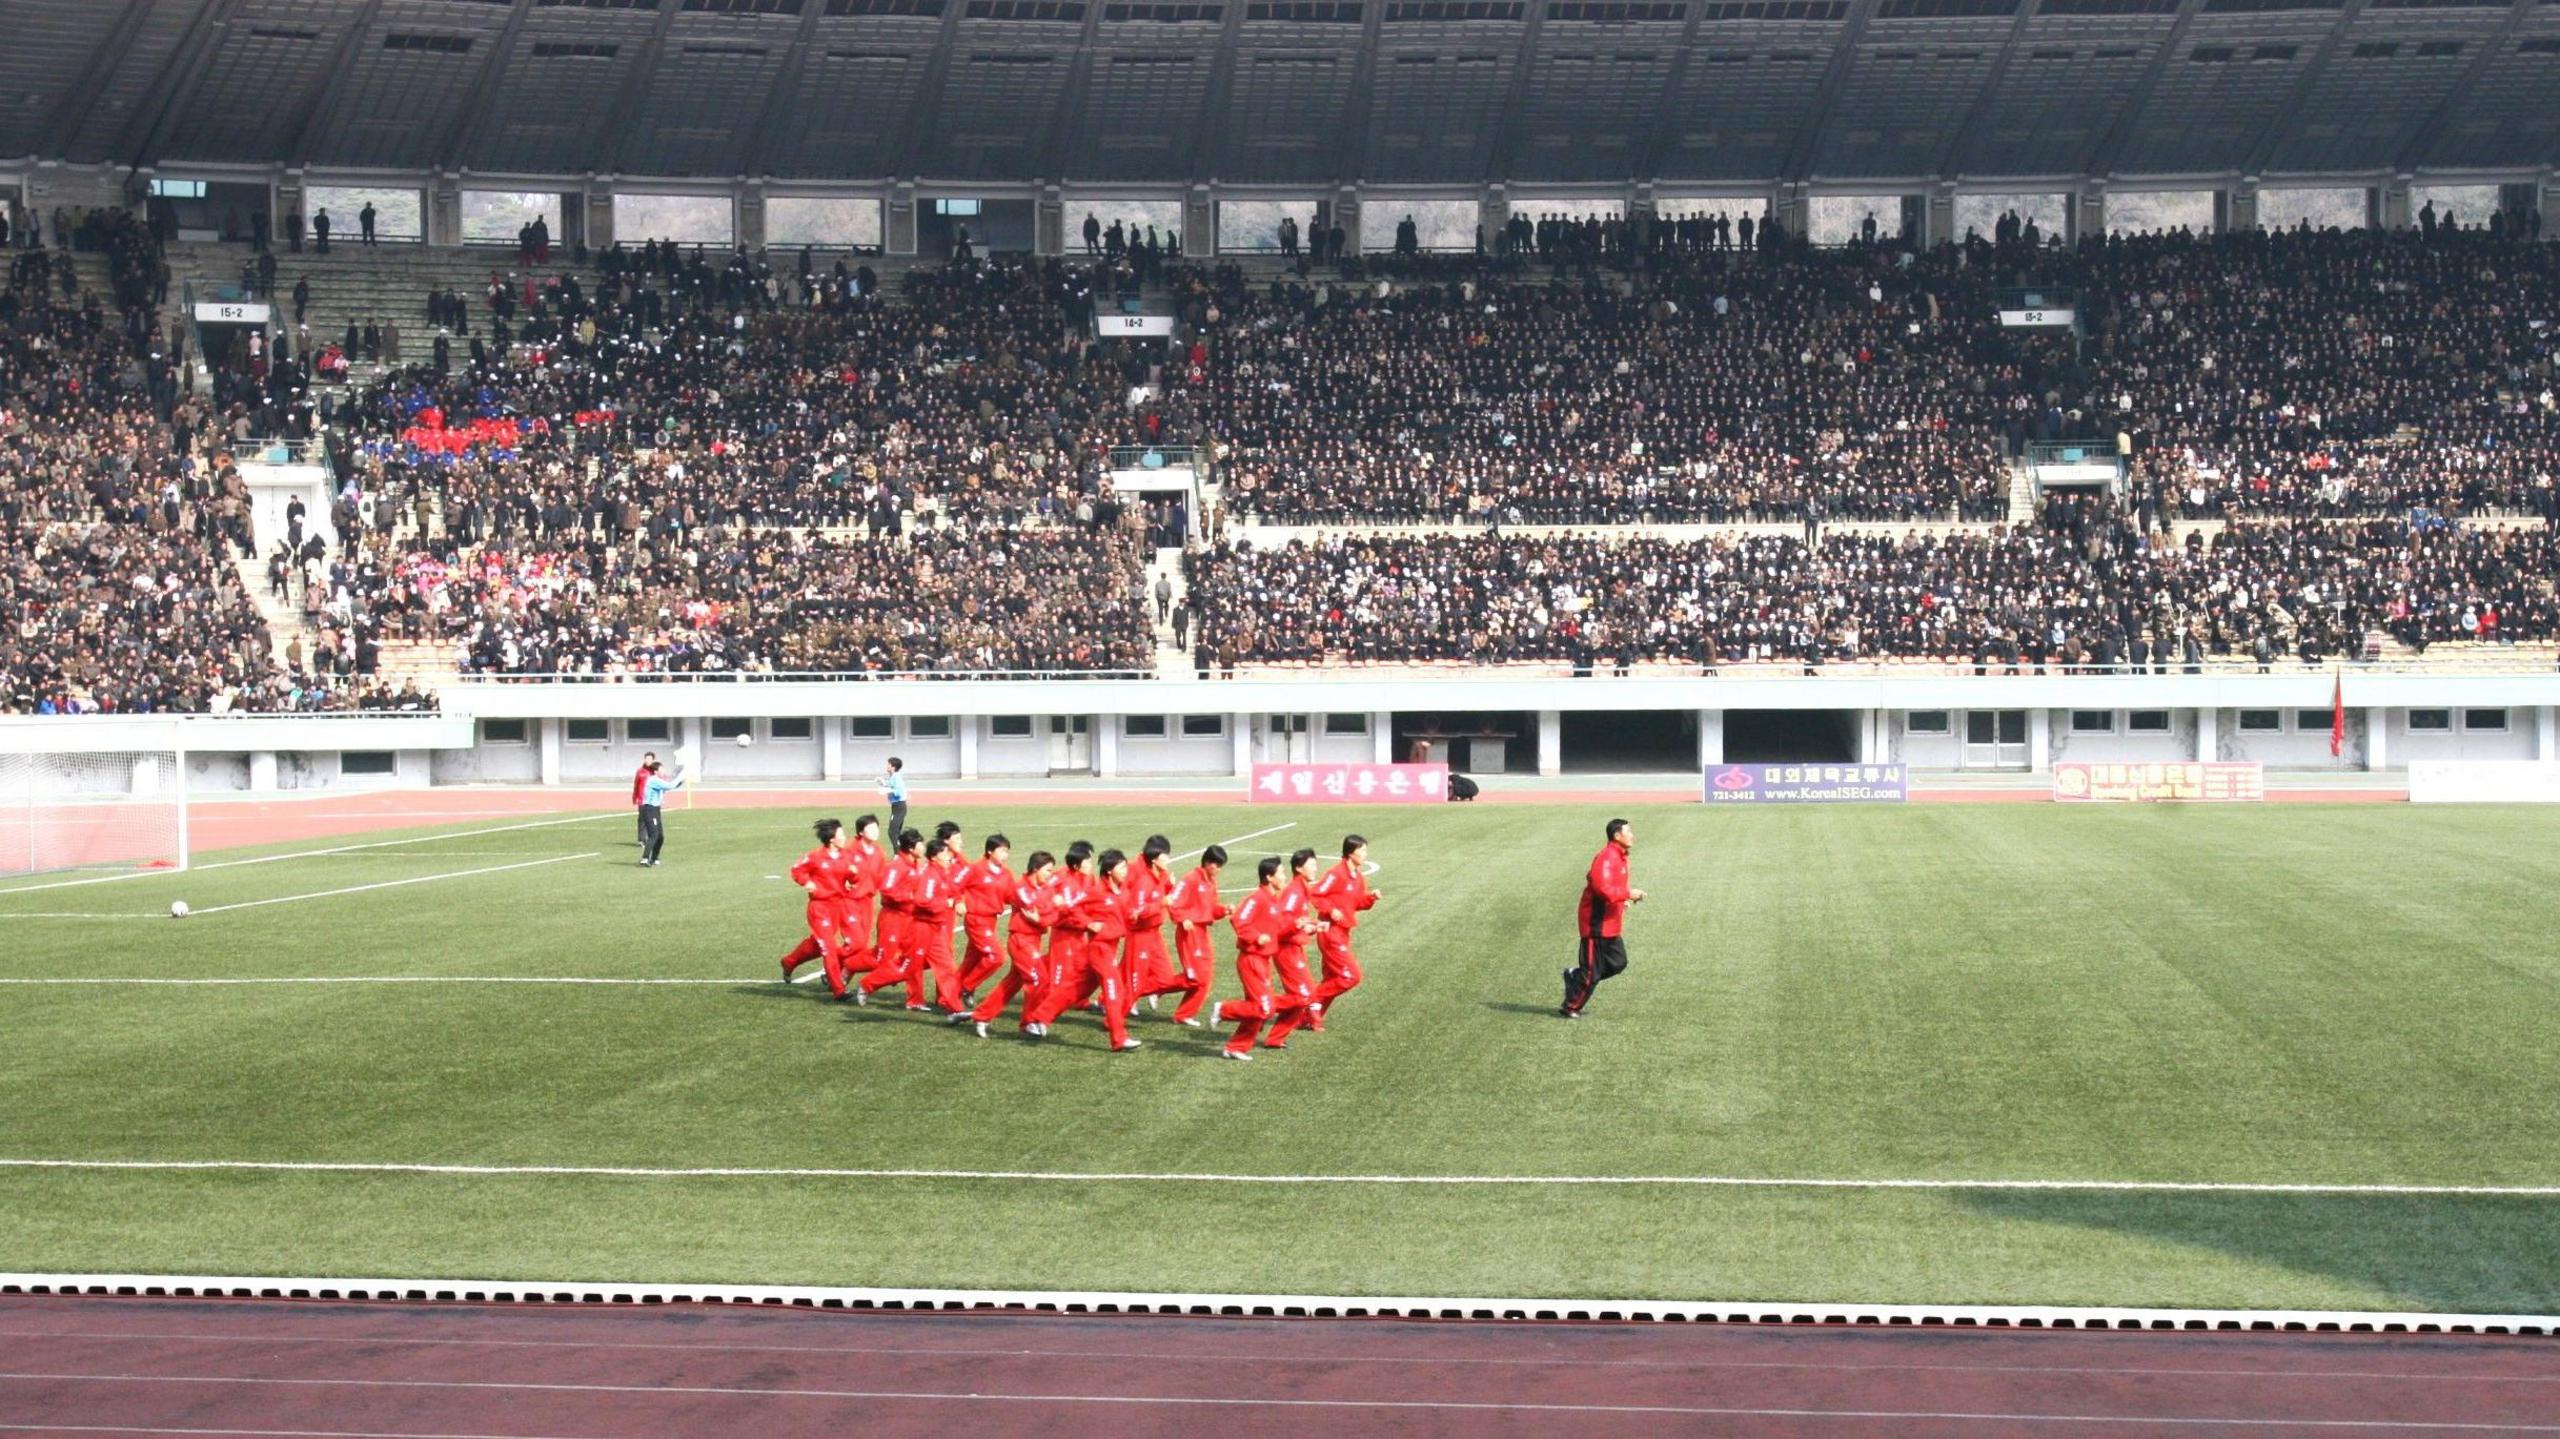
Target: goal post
point(103, 811)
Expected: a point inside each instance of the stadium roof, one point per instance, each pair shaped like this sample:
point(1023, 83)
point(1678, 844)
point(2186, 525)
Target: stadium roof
point(1294, 92)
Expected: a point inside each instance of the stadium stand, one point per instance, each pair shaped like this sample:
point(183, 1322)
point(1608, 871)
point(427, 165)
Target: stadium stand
point(662, 459)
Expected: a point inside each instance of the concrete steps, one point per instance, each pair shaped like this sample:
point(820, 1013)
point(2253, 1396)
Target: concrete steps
point(283, 613)
point(2022, 493)
point(431, 663)
point(1173, 661)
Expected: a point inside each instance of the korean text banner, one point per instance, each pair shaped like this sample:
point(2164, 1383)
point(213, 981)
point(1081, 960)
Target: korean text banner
point(2215, 782)
point(1349, 784)
point(1808, 784)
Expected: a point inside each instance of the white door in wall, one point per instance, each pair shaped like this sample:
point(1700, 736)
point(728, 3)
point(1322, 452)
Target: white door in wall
point(1995, 739)
point(1070, 744)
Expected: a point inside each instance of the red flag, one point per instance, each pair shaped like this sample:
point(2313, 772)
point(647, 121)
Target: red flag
point(2338, 715)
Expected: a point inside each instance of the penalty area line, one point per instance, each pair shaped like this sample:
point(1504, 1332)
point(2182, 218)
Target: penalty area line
point(1421, 1181)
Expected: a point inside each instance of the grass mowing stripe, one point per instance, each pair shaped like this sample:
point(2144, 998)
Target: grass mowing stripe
point(310, 853)
point(1227, 1401)
point(1057, 1176)
point(394, 883)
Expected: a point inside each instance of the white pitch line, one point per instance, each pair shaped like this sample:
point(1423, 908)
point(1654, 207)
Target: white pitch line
point(314, 853)
point(1057, 1176)
point(395, 883)
point(1239, 839)
point(1231, 1401)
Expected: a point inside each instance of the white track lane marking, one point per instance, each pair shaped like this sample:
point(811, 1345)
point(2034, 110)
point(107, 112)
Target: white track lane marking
point(1223, 1401)
point(314, 853)
point(1267, 1358)
point(1425, 1181)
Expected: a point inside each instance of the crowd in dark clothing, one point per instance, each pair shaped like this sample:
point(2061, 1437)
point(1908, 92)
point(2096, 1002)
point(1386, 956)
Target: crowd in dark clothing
point(2086, 591)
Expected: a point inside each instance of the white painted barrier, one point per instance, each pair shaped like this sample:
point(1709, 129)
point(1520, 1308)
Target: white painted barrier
point(2483, 781)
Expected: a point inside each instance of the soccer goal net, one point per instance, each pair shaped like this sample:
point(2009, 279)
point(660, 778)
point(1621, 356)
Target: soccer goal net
point(115, 810)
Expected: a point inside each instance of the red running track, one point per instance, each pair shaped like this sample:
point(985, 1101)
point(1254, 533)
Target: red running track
point(305, 1368)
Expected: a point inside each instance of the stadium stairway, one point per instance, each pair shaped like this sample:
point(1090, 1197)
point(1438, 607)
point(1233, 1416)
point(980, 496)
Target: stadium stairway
point(1172, 660)
point(2022, 493)
point(283, 616)
point(387, 284)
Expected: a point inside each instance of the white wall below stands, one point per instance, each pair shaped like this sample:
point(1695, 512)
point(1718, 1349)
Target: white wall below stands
point(814, 731)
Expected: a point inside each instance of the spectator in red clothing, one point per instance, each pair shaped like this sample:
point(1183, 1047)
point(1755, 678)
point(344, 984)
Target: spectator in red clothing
point(640, 787)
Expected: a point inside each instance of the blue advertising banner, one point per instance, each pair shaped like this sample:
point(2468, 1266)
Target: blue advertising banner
point(1808, 784)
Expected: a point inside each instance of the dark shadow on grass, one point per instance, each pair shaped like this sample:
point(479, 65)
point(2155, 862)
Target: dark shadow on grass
point(2491, 1254)
point(1547, 1011)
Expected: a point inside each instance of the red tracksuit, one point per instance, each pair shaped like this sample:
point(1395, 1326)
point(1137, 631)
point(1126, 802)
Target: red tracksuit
point(1342, 896)
point(1148, 969)
point(1194, 906)
point(1259, 922)
point(1598, 917)
point(1289, 967)
point(933, 931)
point(1034, 912)
point(985, 888)
point(870, 870)
point(1100, 920)
point(904, 889)
point(823, 873)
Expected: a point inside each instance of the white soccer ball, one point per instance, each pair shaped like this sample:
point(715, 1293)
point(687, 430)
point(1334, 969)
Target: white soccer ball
point(745, 740)
point(177, 909)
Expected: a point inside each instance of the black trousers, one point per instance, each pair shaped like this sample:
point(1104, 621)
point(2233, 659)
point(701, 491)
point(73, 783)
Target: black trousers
point(1596, 958)
point(653, 833)
point(641, 831)
point(897, 823)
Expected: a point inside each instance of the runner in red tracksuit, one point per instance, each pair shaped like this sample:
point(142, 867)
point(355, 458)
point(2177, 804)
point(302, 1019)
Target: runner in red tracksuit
point(1147, 970)
point(938, 918)
point(1340, 898)
point(1194, 906)
point(1034, 906)
point(1260, 922)
point(823, 873)
point(986, 887)
point(1289, 966)
point(1599, 952)
point(899, 906)
point(1064, 967)
point(1101, 915)
point(870, 866)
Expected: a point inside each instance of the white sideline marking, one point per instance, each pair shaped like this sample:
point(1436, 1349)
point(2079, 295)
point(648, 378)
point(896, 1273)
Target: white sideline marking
point(1226, 1401)
point(1069, 1176)
point(313, 853)
point(395, 883)
point(1951, 1320)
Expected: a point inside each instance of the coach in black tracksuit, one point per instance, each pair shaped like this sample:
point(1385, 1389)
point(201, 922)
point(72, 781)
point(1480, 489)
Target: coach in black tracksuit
point(1599, 952)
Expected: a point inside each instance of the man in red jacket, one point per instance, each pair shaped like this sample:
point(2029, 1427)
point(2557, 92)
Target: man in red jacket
point(1147, 971)
point(1194, 906)
point(640, 788)
point(985, 888)
point(1034, 905)
point(1599, 951)
point(823, 873)
point(1261, 922)
point(1340, 898)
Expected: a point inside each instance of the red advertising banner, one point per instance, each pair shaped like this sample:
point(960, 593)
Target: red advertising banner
point(2218, 782)
point(1348, 784)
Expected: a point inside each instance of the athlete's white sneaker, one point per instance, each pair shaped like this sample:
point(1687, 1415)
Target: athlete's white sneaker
point(1151, 1004)
point(982, 1029)
point(1235, 1054)
point(1125, 1046)
point(1188, 1023)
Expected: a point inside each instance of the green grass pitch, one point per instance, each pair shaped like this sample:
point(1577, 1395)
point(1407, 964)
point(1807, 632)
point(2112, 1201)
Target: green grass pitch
point(2333, 995)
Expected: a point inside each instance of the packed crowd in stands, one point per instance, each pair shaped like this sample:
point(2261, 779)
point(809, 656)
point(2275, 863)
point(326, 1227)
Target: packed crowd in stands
point(571, 602)
point(673, 461)
point(2087, 588)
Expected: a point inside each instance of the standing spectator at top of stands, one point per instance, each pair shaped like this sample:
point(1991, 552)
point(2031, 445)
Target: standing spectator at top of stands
point(961, 251)
point(301, 297)
point(1092, 234)
point(259, 228)
point(1408, 238)
point(320, 230)
point(365, 219)
point(293, 229)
